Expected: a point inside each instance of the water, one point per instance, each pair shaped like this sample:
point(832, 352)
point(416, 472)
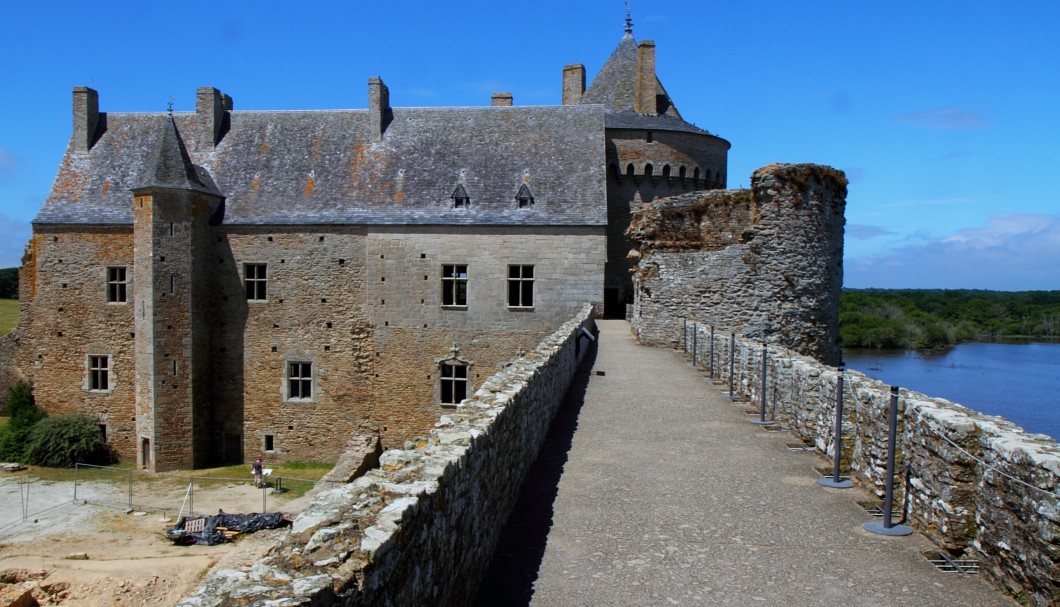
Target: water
point(1019, 381)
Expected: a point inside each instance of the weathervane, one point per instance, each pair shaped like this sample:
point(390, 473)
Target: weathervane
point(629, 19)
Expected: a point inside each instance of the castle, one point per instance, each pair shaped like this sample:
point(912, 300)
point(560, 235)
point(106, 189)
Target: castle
point(221, 284)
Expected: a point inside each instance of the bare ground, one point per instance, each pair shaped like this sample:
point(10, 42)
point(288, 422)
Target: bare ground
point(129, 561)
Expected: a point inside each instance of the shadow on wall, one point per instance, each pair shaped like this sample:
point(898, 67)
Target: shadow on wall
point(521, 548)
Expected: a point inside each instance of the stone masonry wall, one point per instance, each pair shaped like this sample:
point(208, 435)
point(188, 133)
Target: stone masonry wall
point(977, 483)
point(766, 262)
point(9, 373)
point(422, 529)
point(65, 317)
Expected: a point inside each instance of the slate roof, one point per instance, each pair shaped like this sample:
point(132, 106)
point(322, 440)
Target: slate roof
point(319, 167)
point(170, 167)
point(615, 87)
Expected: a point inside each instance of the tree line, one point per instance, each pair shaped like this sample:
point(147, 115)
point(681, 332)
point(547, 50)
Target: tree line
point(936, 318)
point(9, 283)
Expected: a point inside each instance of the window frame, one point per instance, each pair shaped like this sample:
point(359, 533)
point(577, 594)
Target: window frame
point(449, 382)
point(294, 375)
point(521, 284)
point(98, 374)
point(454, 285)
point(117, 289)
point(260, 284)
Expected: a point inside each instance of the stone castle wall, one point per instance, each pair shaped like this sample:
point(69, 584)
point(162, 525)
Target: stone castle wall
point(977, 483)
point(363, 305)
point(421, 529)
point(9, 374)
point(766, 262)
point(64, 316)
point(645, 165)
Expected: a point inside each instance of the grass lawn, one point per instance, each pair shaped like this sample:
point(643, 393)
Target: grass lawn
point(8, 315)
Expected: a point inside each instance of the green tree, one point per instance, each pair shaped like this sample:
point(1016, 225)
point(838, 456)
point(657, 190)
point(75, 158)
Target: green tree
point(9, 283)
point(64, 440)
point(24, 416)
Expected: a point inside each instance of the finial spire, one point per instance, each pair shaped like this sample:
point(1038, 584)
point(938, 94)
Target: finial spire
point(169, 108)
point(629, 20)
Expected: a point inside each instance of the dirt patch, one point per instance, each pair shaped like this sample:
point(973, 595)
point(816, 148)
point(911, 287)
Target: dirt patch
point(129, 560)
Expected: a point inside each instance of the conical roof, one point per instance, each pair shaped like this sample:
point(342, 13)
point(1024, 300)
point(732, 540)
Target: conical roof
point(616, 84)
point(170, 166)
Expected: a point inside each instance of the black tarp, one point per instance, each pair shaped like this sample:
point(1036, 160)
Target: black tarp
point(210, 535)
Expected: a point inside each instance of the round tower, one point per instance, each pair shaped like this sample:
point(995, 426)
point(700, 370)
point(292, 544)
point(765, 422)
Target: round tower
point(652, 152)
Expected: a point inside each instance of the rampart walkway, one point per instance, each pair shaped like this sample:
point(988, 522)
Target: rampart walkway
point(654, 489)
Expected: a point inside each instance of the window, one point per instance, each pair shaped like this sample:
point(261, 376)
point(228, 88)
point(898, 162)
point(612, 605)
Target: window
point(460, 198)
point(269, 443)
point(117, 285)
point(520, 286)
point(299, 381)
point(255, 279)
point(99, 373)
point(454, 285)
point(453, 383)
point(524, 199)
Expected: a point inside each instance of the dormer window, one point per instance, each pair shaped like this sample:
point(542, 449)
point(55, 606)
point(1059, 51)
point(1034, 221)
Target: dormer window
point(524, 199)
point(460, 198)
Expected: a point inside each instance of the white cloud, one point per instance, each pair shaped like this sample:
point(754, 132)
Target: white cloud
point(1012, 252)
point(865, 232)
point(945, 119)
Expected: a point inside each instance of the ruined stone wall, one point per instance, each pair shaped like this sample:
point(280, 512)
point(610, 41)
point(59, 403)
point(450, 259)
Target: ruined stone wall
point(65, 317)
point(646, 165)
point(977, 483)
point(766, 262)
point(422, 529)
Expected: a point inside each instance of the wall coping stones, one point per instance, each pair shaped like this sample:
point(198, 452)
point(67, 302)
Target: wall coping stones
point(400, 534)
point(979, 483)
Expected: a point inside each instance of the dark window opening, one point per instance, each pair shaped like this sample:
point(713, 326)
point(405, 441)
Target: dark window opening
point(255, 278)
point(454, 285)
point(453, 384)
point(521, 286)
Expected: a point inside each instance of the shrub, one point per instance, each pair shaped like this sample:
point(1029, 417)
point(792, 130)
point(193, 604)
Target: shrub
point(24, 416)
point(62, 441)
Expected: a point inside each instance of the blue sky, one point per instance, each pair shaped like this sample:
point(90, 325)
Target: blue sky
point(945, 115)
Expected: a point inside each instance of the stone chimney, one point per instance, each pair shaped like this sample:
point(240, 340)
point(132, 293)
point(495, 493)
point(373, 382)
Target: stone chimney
point(573, 83)
point(210, 108)
point(86, 118)
point(378, 109)
point(501, 99)
point(644, 100)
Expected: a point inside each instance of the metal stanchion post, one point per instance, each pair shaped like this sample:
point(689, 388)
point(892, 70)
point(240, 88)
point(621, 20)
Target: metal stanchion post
point(762, 421)
point(835, 481)
point(75, 481)
point(887, 527)
point(712, 351)
point(732, 367)
point(263, 498)
point(130, 489)
point(695, 343)
point(684, 335)
point(191, 496)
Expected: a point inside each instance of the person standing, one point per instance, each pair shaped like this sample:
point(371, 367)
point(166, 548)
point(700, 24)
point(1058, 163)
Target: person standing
point(257, 468)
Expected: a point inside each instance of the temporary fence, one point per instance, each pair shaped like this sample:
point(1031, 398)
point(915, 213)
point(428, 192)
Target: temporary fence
point(183, 495)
